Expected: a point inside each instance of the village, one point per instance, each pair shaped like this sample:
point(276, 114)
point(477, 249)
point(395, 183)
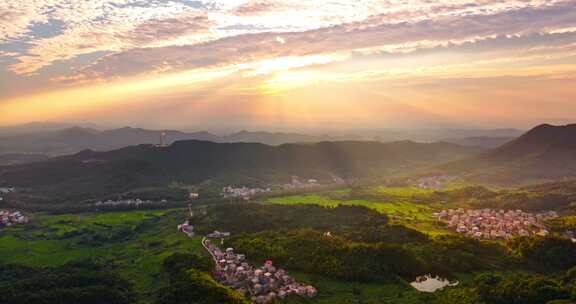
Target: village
point(130, 203)
point(496, 224)
point(247, 193)
point(9, 218)
point(244, 193)
point(4, 191)
point(298, 183)
point(262, 285)
point(434, 182)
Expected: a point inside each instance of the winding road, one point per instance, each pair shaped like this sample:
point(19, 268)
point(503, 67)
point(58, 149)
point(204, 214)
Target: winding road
point(204, 239)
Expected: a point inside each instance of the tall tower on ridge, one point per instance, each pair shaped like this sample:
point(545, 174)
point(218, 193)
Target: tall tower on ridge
point(163, 142)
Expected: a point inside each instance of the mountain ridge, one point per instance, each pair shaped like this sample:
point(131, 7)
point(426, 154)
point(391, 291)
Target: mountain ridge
point(546, 152)
point(73, 139)
point(194, 161)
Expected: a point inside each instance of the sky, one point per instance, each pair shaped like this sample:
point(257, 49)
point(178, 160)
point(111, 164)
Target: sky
point(271, 64)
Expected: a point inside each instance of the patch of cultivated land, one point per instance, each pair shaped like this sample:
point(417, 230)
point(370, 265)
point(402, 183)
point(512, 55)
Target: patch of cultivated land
point(402, 210)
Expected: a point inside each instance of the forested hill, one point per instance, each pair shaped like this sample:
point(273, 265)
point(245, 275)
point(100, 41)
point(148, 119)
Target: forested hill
point(544, 153)
point(197, 161)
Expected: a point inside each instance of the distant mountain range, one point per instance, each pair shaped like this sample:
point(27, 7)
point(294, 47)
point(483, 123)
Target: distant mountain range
point(41, 127)
point(74, 139)
point(544, 153)
point(480, 141)
point(20, 158)
point(54, 139)
point(193, 162)
point(436, 134)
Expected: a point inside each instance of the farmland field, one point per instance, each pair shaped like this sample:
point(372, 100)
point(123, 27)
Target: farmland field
point(401, 210)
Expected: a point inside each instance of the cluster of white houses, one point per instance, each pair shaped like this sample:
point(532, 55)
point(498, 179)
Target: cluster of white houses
point(571, 234)
point(218, 234)
point(9, 218)
point(133, 203)
point(297, 183)
point(245, 193)
point(262, 285)
point(5, 190)
point(495, 224)
point(434, 182)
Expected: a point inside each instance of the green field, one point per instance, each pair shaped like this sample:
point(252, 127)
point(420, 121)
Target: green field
point(134, 242)
point(401, 211)
point(406, 192)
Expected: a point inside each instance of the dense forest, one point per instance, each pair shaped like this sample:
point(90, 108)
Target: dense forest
point(259, 217)
point(191, 283)
point(87, 282)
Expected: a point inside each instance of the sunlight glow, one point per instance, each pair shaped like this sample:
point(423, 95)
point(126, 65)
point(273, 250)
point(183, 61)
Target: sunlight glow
point(286, 63)
point(92, 97)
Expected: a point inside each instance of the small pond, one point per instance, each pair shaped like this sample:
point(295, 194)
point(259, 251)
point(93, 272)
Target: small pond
point(428, 283)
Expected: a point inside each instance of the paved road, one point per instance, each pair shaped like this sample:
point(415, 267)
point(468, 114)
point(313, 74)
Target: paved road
point(204, 239)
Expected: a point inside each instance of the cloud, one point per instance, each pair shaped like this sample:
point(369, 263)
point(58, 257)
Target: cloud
point(17, 16)
point(155, 30)
point(287, 60)
point(106, 25)
point(375, 34)
point(257, 7)
point(121, 25)
point(7, 54)
point(126, 38)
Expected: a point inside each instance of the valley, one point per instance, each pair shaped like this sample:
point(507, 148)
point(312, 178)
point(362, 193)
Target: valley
point(378, 223)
